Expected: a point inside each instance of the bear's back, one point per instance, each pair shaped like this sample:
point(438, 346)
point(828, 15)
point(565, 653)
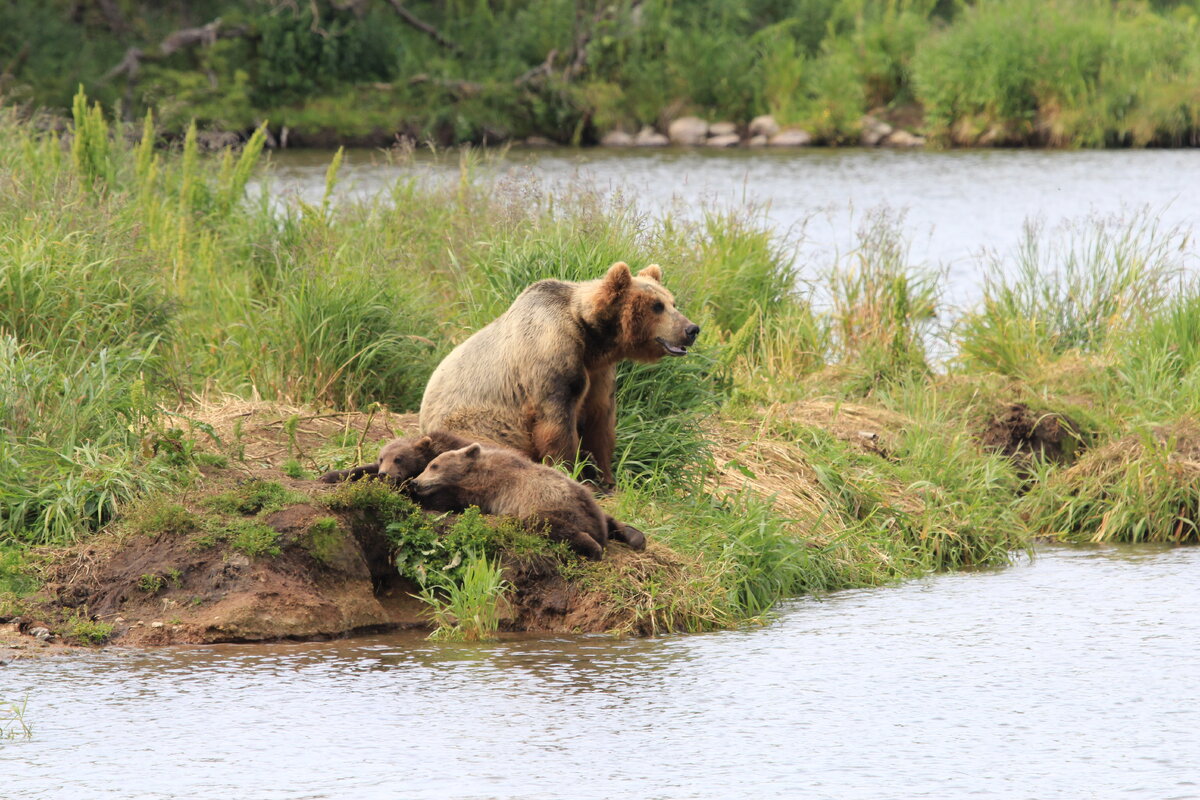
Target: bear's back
point(482, 386)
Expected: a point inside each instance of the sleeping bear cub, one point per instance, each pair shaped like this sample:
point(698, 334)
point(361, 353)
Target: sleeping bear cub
point(503, 482)
point(402, 460)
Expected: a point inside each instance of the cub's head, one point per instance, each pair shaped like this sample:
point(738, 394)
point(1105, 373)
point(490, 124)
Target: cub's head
point(401, 459)
point(448, 469)
point(645, 322)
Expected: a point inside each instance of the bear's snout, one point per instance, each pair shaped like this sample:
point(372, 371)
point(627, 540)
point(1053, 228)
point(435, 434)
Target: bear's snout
point(691, 332)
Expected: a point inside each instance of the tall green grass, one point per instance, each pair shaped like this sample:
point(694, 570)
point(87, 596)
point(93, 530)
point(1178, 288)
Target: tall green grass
point(882, 307)
point(1069, 72)
point(1071, 292)
point(468, 609)
point(1144, 487)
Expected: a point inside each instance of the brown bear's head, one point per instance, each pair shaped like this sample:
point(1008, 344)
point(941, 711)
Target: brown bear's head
point(402, 459)
point(448, 469)
point(647, 322)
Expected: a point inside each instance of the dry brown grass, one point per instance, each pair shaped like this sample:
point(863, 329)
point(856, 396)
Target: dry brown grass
point(751, 454)
point(1142, 487)
point(261, 429)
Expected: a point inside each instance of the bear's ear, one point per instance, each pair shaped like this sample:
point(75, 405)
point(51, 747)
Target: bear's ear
point(653, 272)
point(472, 451)
point(424, 444)
point(618, 278)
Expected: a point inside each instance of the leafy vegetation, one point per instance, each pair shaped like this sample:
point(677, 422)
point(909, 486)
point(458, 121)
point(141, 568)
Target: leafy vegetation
point(1061, 73)
point(467, 609)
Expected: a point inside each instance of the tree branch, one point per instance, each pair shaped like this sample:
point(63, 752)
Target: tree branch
point(182, 39)
point(423, 27)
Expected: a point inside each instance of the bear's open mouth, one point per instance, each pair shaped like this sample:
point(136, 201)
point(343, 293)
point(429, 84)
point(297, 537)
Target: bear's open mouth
point(674, 350)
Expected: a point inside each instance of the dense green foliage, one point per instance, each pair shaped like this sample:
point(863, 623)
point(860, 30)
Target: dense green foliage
point(1065, 72)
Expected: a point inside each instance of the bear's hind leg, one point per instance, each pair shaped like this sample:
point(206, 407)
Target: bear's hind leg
point(622, 532)
point(572, 529)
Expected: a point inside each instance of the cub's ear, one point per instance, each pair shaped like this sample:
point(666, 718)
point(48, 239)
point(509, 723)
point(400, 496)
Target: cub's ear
point(653, 272)
point(618, 277)
point(424, 444)
point(472, 451)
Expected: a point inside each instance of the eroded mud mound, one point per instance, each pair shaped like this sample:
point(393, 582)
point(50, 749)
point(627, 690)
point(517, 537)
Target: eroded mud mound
point(1027, 436)
point(302, 571)
point(176, 586)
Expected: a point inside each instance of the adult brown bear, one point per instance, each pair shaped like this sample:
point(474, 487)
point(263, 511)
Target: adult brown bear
point(541, 378)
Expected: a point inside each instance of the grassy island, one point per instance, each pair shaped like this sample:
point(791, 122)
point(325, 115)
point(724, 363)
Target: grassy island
point(179, 360)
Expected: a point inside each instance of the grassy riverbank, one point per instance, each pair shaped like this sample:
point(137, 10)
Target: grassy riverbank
point(1060, 73)
point(794, 451)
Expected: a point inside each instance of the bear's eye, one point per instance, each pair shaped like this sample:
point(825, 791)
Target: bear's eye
point(433, 466)
point(659, 307)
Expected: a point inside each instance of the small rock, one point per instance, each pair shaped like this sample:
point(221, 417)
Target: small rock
point(40, 633)
point(616, 139)
point(538, 141)
point(764, 126)
point(648, 137)
point(904, 139)
point(119, 620)
point(156, 624)
point(757, 141)
point(874, 131)
point(688, 131)
point(721, 129)
point(791, 138)
point(728, 140)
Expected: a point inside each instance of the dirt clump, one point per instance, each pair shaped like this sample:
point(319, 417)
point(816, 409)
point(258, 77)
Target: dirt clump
point(1028, 437)
point(267, 561)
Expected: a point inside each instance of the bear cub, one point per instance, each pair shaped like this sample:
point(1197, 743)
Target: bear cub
point(506, 483)
point(401, 460)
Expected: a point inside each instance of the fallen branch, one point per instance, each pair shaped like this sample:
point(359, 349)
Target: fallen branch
point(183, 39)
point(424, 27)
point(541, 70)
point(464, 88)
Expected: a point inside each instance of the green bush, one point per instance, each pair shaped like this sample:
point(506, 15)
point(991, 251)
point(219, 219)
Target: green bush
point(1069, 72)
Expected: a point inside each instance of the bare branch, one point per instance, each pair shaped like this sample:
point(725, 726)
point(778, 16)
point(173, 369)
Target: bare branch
point(541, 70)
point(464, 88)
point(182, 39)
point(423, 27)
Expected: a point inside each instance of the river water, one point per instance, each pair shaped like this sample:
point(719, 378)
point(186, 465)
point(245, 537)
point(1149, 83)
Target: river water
point(951, 207)
point(1071, 676)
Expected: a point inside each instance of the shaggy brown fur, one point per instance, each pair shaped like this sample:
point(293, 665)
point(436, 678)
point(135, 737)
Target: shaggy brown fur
point(401, 460)
point(502, 482)
point(541, 378)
